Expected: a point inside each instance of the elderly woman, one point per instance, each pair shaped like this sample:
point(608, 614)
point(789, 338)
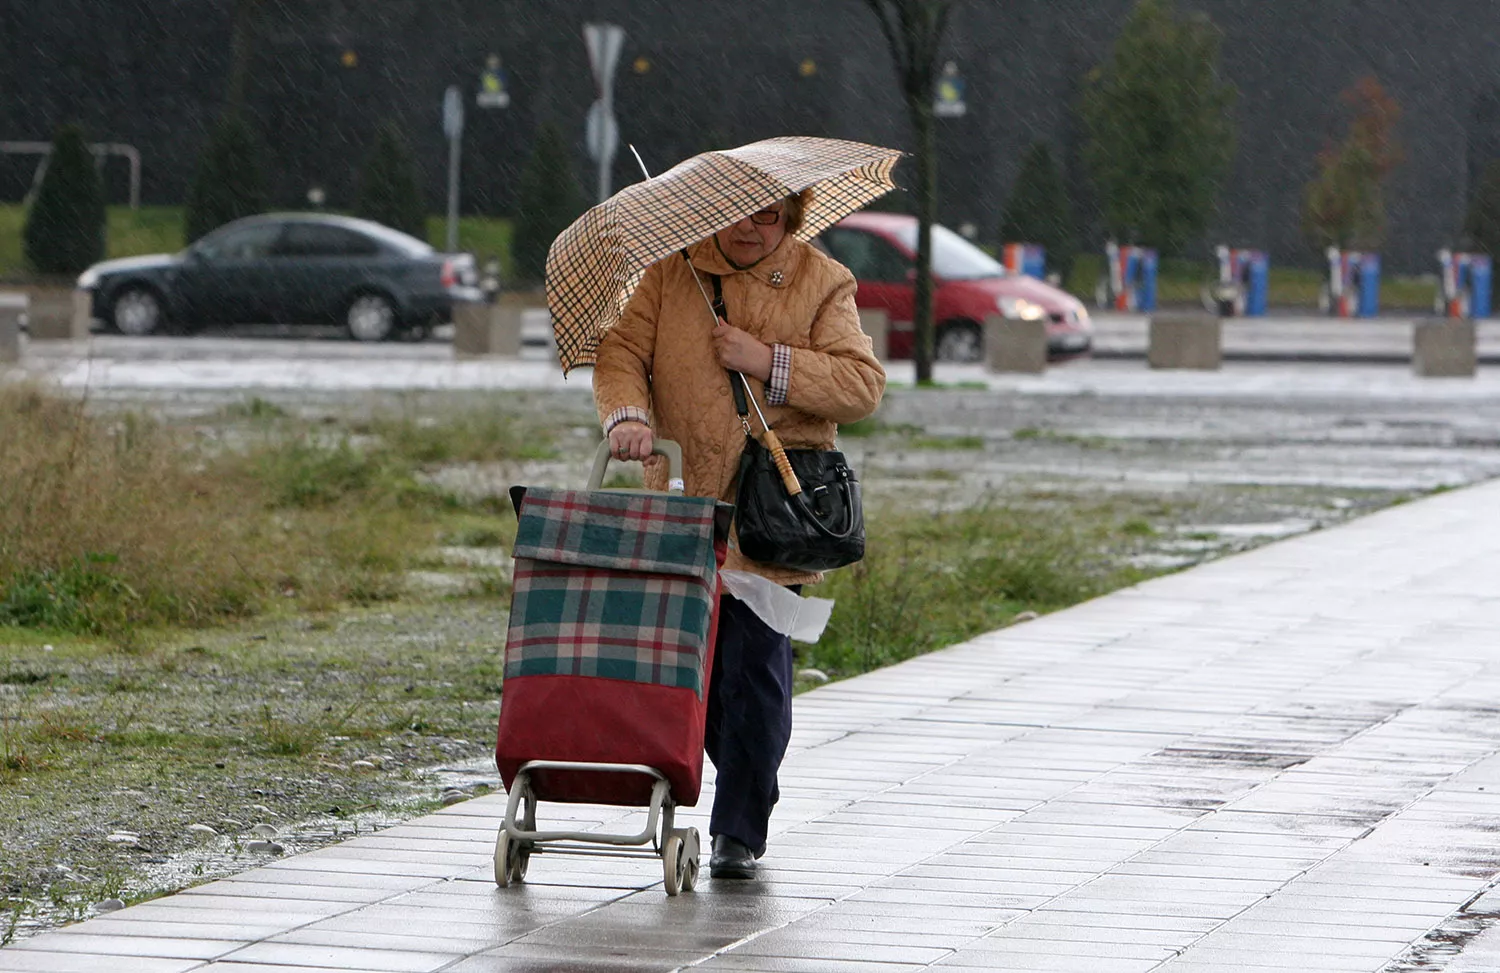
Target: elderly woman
point(793, 330)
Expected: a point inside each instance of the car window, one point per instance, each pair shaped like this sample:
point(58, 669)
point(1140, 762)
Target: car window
point(320, 240)
point(240, 243)
point(867, 256)
point(953, 257)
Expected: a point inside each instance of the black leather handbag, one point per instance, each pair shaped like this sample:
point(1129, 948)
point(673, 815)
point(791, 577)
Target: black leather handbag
point(819, 529)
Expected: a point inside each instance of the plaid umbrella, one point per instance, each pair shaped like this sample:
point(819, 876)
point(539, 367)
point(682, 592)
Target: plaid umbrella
point(594, 265)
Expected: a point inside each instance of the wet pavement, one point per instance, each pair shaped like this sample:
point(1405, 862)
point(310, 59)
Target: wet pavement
point(1284, 760)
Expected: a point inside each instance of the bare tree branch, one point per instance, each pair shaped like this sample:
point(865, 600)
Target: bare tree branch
point(884, 13)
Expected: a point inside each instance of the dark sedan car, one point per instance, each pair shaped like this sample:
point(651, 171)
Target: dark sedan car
point(287, 269)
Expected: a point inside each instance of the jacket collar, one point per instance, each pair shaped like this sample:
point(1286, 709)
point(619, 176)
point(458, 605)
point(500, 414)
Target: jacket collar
point(775, 270)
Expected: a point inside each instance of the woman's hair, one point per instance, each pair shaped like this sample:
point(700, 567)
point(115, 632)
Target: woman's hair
point(796, 208)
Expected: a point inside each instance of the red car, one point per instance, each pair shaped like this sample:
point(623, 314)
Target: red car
point(968, 286)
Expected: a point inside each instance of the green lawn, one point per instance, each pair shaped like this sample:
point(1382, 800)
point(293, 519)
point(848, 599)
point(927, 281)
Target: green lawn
point(158, 229)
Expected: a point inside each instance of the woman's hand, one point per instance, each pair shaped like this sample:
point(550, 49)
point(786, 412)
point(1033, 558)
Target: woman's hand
point(630, 440)
point(739, 351)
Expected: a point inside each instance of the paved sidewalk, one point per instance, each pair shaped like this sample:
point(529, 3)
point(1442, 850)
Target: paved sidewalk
point(1286, 760)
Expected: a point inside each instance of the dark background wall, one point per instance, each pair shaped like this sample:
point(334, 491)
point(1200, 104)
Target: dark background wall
point(153, 73)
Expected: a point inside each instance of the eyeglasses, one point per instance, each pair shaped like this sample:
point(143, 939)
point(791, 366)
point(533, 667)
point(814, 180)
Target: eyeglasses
point(766, 217)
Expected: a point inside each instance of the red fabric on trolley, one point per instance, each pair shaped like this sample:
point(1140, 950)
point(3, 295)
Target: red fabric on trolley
point(592, 719)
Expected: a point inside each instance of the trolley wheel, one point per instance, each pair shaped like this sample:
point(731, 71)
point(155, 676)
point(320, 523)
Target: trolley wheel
point(690, 851)
point(673, 864)
point(520, 859)
point(511, 859)
point(502, 858)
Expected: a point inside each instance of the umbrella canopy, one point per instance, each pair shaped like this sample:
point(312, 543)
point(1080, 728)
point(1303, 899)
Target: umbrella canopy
point(594, 265)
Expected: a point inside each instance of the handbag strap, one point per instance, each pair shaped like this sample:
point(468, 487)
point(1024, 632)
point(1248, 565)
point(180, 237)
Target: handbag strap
point(743, 407)
point(736, 387)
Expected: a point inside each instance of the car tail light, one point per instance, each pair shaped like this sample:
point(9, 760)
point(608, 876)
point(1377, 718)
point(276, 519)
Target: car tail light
point(450, 274)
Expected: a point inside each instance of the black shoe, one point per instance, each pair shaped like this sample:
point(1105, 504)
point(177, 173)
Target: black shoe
point(731, 859)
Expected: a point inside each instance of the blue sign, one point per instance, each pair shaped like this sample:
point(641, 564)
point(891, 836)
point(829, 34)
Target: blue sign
point(494, 86)
point(950, 93)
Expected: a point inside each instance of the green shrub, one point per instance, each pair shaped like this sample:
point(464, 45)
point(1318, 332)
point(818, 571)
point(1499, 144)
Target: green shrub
point(1038, 210)
point(79, 597)
point(550, 200)
point(64, 231)
point(1160, 128)
point(1344, 204)
point(230, 182)
point(389, 188)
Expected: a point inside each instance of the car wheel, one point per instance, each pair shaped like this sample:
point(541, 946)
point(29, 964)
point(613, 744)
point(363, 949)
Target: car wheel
point(960, 342)
point(371, 317)
point(136, 311)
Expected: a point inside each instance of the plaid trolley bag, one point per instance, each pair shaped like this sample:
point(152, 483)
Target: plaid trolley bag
point(614, 611)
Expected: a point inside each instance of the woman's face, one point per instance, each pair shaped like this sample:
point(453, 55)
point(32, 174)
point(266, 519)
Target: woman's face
point(752, 238)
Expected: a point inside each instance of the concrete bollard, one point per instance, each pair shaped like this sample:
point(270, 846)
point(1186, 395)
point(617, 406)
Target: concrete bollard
point(1015, 346)
point(492, 330)
point(59, 315)
point(12, 305)
point(1185, 339)
point(1444, 348)
point(471, 329)
point(876, 322)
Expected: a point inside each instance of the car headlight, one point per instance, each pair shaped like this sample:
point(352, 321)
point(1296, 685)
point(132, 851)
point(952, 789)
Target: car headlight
point(1020, 309)
point(88, 280)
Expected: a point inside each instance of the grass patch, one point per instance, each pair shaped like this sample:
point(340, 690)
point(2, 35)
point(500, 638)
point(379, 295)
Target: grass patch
point(871, 426)
point(932, 580)
point(948, 442)
point(254, 408)
point(114, 524)
point(476, 435)
point(484, 237)
point(1034, 434)
point(129, 233)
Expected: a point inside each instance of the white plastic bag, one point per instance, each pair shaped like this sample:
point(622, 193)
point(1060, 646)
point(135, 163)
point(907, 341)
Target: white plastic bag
point(782, 609)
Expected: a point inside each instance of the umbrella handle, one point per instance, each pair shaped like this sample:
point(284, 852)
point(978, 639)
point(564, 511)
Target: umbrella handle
point(783, 465)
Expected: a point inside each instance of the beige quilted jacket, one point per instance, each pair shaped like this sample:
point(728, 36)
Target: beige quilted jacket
point(659, 358)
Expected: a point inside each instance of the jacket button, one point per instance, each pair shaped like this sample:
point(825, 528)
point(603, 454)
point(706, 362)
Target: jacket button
point(717, 449)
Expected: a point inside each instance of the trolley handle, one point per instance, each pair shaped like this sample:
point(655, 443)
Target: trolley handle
point(659, 447)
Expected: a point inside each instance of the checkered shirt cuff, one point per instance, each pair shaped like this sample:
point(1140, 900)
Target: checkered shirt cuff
point(781, 375)
point(625, 413)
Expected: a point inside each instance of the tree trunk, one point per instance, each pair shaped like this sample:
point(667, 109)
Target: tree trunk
point(920, 108)
point(240, 45)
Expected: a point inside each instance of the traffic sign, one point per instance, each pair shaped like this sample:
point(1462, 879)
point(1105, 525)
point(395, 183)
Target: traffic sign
point(601, 133)
point(453, 113)
point(604, 42)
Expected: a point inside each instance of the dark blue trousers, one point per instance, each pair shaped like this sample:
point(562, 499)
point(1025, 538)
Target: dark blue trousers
point(749, 722)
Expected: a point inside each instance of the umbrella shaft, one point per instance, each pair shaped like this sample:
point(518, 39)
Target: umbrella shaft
point(709, 301)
